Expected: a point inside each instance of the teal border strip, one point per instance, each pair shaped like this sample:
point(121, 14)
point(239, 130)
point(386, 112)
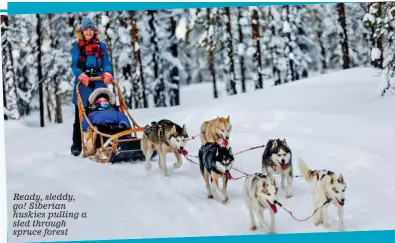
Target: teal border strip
point(330, 237)
point(68, 7)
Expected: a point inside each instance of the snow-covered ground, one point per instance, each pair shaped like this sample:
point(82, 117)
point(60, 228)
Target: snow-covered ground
point(335, 121)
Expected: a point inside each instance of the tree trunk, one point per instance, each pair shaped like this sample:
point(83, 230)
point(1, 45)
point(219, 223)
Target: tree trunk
point(257, 44)
point(319, 34)
point(138, 85)
point(378, 43)
point(290, 49)
point(343, 35)
point(159, 95)
point(233, 90)
point(242, 68)
point(211, 54)
point(4, 19)
point(39, 71)
point(174, 93)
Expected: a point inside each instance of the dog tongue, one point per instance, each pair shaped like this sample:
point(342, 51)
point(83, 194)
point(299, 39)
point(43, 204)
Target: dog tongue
point(341, 203)
point(283, 166)
point(273, 207)
point(225, 142)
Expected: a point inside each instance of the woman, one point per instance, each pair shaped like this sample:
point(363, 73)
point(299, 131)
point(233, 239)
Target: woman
point(89, 59)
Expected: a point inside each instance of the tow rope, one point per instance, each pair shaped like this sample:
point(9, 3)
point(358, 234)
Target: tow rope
point(301, 220)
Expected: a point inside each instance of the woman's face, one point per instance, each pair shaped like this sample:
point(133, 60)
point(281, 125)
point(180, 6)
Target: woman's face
point(88, 34)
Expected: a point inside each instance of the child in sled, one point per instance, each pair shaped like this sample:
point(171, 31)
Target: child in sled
point(107, 119)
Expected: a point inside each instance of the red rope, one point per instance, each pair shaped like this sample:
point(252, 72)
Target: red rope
point(252, 148)
point(301, 220)
point(193, 137)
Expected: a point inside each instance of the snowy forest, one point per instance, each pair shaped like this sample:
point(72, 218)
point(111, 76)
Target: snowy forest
point(155, 52)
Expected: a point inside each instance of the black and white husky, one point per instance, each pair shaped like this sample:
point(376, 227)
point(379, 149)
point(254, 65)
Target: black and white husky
point(327, 187)
point(215, 162)
point(277, 159)
point(260, 194)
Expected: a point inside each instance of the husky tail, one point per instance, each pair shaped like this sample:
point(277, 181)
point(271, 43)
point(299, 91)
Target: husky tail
point(305, 170)
point(201, 162)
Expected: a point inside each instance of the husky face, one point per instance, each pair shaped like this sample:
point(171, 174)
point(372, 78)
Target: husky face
point(267, 193)
point(179, 138)
point(280, 153)
point(223, 128)
point(224, 160)
point(337, 190)
point(281, 156)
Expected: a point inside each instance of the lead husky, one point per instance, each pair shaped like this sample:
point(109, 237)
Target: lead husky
point(260, 194)
point(165, 137)
point(215, 162)
point(327, 187)
point(277, 158)
point(216, 131)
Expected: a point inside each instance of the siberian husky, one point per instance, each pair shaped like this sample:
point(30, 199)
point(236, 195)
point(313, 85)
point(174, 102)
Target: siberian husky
point(164, 137)
point(216, 131)
point(277, 159)
point(260, 194)
point(215, 162)
point(327, 187)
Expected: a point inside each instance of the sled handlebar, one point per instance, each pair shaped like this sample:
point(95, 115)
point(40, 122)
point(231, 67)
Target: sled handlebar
point(95, 79)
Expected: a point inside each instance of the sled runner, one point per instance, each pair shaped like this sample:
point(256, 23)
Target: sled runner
point(108, 143)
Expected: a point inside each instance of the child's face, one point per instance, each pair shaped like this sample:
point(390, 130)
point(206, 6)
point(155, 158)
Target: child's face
point(101, 104)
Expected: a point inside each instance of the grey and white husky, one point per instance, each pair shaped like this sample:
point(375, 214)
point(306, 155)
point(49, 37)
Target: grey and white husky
point(260, 194)
point(164, 137)
point(277, 159)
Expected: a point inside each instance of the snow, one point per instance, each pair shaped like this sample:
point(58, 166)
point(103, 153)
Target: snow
point(388, 60)
point(376, 53)
point(181, 29)
point(369, 18)
point(347, 130)
point(286, 27)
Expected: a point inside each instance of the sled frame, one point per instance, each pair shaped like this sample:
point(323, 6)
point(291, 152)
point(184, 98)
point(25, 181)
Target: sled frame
point(93, 131)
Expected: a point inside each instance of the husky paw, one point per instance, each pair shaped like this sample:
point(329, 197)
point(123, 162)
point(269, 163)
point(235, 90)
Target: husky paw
point(177, 165)
point(225, 200)
point(147, 165)
point(289, 195)
point(341, 228)
point(317, 222)
point(325, 223)
point(210, 196)
point(272, 231)
point(253, 227)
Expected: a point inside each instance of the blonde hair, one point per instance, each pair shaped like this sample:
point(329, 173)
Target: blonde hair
point(80, 34)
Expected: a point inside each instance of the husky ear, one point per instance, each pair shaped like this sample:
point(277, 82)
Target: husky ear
point(228, 119)
point(340, 179)
point(264, 184)
point(230, 150)
point(184, 128)
point(285, 142)
point(173, 129)
point(274, 144)
point(332, 180)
